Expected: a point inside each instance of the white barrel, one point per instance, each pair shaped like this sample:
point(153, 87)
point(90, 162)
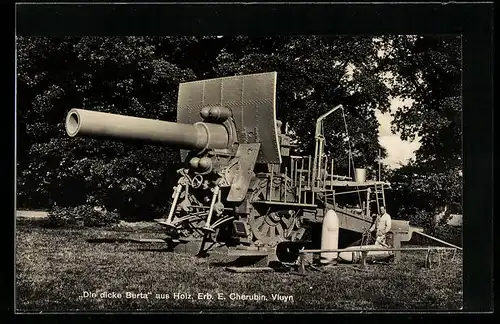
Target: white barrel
point(329, 236)
point(360, 175)
point(200, 135)
point(355, 256)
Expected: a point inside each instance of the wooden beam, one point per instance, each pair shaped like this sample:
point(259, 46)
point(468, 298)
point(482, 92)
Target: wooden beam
point(361, 249)
point(438, 240)
point(281, 203)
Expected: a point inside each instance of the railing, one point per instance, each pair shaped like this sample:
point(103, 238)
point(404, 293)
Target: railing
point(307, 182)
point(300, 178)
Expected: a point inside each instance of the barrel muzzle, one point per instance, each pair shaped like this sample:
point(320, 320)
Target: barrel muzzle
point(201, 135)
point(72, 123)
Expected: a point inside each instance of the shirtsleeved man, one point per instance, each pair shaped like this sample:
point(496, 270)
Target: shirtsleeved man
point(382, 225)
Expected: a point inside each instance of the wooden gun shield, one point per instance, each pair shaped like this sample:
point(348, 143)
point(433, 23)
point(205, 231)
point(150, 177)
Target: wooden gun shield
point(252, 100)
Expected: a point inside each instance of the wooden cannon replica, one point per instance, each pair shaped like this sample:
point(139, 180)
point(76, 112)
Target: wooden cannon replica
point(239, 185)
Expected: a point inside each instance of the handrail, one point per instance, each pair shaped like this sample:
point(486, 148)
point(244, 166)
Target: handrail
point(363, 249)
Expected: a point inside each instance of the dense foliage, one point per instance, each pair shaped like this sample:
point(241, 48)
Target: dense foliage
point(83, 215)
point(139, 76)
point(428, 70)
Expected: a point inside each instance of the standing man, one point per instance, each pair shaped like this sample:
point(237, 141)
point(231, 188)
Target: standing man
point(382, 225)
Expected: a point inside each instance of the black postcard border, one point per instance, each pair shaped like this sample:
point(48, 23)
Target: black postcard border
point(474, 21)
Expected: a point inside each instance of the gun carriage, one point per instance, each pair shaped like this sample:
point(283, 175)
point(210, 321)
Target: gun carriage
point(239, 185)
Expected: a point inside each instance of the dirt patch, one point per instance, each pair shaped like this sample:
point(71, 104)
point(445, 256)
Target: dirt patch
point(31, 214)
point(137, 225)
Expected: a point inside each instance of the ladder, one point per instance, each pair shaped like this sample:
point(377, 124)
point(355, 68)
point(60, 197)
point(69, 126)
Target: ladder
point(379, 196)
point(301, 177)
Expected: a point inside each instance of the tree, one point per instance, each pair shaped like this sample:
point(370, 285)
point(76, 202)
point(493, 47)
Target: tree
point(427, 70)
point(124, 75)
point(139, 76)
point(314, 75)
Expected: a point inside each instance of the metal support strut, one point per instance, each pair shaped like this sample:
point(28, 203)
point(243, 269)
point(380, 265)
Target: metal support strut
point(211, 211)
point(177, 192)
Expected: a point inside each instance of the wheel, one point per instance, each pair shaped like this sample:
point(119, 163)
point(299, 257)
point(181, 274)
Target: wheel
point(272, 228)
point(272, 225)
point(197, 181)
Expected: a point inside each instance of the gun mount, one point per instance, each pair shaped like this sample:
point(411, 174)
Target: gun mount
point(239, 184)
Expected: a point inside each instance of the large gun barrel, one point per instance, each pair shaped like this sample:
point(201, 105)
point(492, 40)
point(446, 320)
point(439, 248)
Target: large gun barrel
point(98, 124)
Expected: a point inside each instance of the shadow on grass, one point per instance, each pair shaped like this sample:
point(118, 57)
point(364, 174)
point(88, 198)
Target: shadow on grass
point(25, 222)
point(252, 261)
point(420, 264)
point(240, 262)
point(151, 249)
point(110, 240)
point(255, 262)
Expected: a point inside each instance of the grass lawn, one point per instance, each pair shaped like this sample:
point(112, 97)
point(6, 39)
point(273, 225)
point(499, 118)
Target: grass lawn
point(59, 270)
